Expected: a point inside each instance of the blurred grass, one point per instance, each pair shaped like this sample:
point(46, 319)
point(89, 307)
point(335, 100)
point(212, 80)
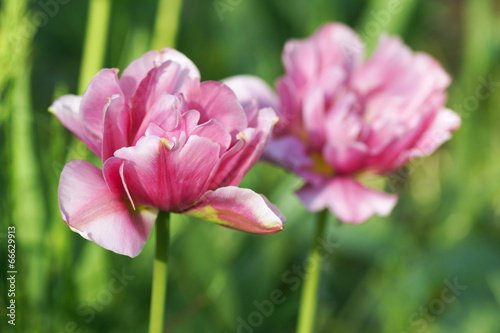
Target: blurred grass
point(445, 226)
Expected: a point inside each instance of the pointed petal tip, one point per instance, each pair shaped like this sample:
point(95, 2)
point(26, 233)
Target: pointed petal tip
point(240, 209)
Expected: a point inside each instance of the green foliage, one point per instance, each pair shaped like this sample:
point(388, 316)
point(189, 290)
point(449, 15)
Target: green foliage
point(446, 225)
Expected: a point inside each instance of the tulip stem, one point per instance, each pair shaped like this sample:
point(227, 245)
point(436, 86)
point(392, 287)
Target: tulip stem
point(160, 272)
point(308, 300)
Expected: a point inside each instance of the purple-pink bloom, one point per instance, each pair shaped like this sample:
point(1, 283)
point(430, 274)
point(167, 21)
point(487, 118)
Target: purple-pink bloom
point(343, 118)
point(167, 142)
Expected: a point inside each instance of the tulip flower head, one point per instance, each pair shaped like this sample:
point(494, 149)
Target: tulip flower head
point(167, 142)
point(343, 118)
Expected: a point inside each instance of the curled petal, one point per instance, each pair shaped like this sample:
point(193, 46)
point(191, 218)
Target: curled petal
point(116, 126)
point(99, 214)
point(187, 66)
point(67, 110)
point(214, 131)
point(165, 112)
point(100, 89)
point(236, 162)
point(140, 67)
point(240, 209)
point(136, 71)
point(350, 201)
point(169, 78)
point(439, 132)
point(217, 101)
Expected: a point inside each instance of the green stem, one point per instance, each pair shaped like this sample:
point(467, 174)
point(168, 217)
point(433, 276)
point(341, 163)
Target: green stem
point(95, 41)
point(166, 23)
point(308, 300)
point(160, 272)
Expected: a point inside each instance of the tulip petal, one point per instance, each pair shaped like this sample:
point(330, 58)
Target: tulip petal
point(214, 131)
point(168, 78)
point(217, 101)
point(67, 110)
point(345, 158)
point(313, 117)
point(290, 113)
point(100, 89)
point(240, 209)
point(165, 112)
point(236, 162)
point(167, 175)
point(116, 126)
point(112, 171)
point(100, 215)
point(140, 67)
point(248, 88)
point(289, 152)
point(136, 71)
point(332, 45)
point(350, 201)
point(187, 66)
point(439, 132)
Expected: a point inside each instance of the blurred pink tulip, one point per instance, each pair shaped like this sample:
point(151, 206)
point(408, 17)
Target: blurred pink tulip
point(342, 118)
point(167, 142)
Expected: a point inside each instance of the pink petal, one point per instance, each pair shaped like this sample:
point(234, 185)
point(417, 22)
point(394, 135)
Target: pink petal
point(112, 171)
point(301, 60)
point(67, 110)
point(313, 117)
point(218, 101)
point(100, 215)
point(395, 67)
point(248, 88)
point(240, 209)
point(168, 78)
point(167, 175)
point(116, 126)
point(140, 67)
point(350, 201)
point(247, 150)
point(342, 126)
point(187, 66)
point(136, 71)
point(289, 152)
point(165, 112)
point(345, 158)
point(290, 113)
point(214, 131)
point(439, 132)
point(339, 46)
point(403, 138)
point(333, 45)
point(103, 86)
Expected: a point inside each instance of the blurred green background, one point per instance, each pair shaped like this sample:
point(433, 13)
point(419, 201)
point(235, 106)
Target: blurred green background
point(388, 275)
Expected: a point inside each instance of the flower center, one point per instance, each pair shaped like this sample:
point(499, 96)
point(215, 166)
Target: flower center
point(320, 166)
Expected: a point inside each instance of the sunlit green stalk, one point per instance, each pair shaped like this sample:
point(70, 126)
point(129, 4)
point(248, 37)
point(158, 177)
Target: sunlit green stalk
point(166, 24)
point(308, 300)
point(94, 48)
point(160, 273)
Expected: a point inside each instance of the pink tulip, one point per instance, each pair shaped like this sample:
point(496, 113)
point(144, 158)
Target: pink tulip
point(343, 118)
point(167, 142)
